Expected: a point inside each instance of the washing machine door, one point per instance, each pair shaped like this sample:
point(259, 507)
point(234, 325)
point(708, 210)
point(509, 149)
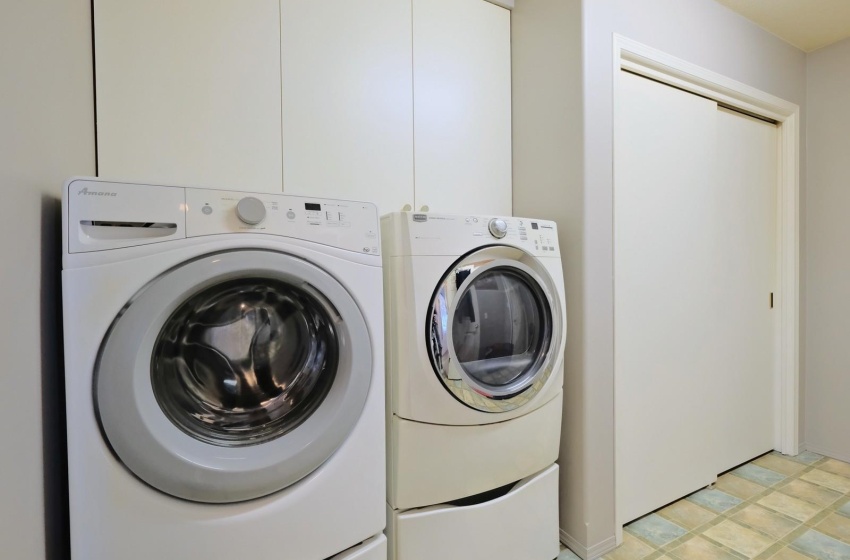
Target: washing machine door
point(233, 376)
point(494, 329)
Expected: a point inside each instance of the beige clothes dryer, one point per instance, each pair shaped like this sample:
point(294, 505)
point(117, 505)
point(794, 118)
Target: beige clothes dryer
point(476, 329)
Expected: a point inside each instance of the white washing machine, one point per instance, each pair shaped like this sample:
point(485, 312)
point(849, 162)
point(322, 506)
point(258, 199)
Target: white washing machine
point(476, 330)
point(224, 374)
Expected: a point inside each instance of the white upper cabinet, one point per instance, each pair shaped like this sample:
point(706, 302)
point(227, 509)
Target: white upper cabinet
point(188, 92)
point(348, 100)
point(462, 106)
point(311, 97)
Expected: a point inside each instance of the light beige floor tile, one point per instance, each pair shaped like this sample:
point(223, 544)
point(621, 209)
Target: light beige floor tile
point(792, 507)
point(836, 526)
point(828, 479)
point(687, 514)
point(803, 502)
point(811, 493)
point(631, 549)
point(788, 554)
point(766, 521)
point(836, 467)
point(700, 549)
point(738, 487)
point(739, 538)
point(780, 465)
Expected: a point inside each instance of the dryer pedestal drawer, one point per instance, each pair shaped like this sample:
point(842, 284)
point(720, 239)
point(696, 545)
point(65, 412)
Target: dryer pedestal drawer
point(522, 524)
point(432, 464)
point(373, 549)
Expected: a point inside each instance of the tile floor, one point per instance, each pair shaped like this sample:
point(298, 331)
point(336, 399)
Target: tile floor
point(777, 507)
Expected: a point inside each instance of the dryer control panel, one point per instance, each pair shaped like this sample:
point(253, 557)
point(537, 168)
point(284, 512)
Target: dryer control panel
point(108, 215)
point(407, 233)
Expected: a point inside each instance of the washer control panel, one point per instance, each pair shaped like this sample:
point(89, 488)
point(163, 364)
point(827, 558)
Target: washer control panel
point(101, 215)
point(340, 223)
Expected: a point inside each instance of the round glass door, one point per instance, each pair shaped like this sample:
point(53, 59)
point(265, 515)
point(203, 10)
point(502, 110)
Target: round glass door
point(233, 375)
point(491, 329)
point(244, 361)
point(501, 330)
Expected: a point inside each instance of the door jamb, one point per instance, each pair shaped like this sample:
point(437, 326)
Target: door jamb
point(662, 67)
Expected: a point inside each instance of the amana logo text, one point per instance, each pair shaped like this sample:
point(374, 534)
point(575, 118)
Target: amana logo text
point(87, 192)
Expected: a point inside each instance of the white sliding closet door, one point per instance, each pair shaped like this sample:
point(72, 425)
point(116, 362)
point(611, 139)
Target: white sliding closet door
point(666, 220)
point(694, 267)
point(748, 151)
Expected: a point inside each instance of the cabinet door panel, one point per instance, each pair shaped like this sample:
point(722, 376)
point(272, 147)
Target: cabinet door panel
point(348, 100)
point(188, 92)
point(462, 106)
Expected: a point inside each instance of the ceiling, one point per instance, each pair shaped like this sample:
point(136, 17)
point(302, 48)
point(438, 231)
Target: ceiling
point(806, 24)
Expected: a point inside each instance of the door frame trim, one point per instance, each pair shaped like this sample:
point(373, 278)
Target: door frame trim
point(662, 67)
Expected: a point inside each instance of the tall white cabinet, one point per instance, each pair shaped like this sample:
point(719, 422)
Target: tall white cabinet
point(188, 92)
point(462, 105)
point(347, 89)
point(400, 102)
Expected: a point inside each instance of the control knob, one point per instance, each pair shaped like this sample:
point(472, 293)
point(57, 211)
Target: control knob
point(251, 210)
point(498, 228)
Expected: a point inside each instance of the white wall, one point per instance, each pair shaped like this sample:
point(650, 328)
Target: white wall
point(700, 31)
point(46, 135)
point(828, 252)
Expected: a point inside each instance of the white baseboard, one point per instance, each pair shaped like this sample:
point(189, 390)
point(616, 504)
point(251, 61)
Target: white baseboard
point(573, 544)
point(600, 549)
point(589, 553)
point(841, 456)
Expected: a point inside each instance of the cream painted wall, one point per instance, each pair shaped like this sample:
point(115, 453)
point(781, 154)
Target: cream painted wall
point(572, 182)
point(828, 251)
point(547, 178)
point(702, 32)
point(46, 135)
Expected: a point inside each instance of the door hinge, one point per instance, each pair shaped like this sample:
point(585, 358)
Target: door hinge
point(771, 300)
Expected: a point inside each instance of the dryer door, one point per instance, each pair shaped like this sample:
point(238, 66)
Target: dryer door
point(494, 329)
point(233, 376)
